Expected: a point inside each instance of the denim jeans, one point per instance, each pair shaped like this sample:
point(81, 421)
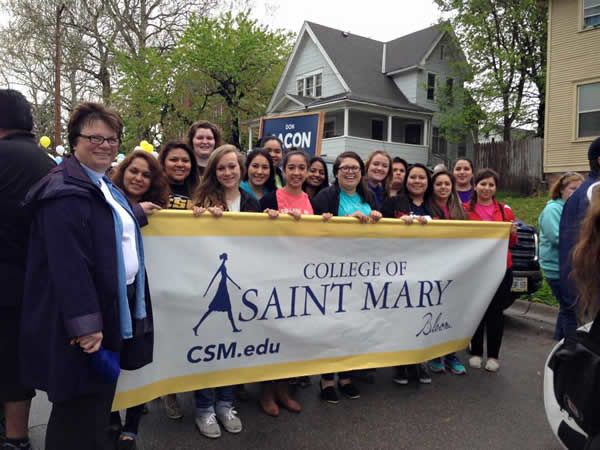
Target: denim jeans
point(566, 322)
point(206, 399)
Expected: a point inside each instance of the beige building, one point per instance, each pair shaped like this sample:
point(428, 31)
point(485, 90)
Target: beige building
point(573, 84)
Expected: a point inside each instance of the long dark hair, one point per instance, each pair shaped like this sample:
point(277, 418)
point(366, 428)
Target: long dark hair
point(191, 182)
point(457, 212)
point(325, 182)
point(365, 194)
point(482, 174)
point(158, 192)
point(427, 193)
point(210, 192)
point(259, 151)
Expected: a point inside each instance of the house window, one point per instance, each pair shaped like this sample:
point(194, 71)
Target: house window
point(412, 134)
point(449, 90)
point(430, 85)
point(591, 13)
point(310, 86)
point(329, 129)
point(377, 129)
point(438, 143)
point(588, 110)
point(442, 52)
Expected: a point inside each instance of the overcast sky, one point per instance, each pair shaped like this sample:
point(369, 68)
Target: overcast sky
point(383, 20)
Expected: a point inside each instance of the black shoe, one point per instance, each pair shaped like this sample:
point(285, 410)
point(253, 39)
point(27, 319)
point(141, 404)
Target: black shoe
point(5, 445)
point(126, 444)
point(402, 375)
point(349, 390)
point(329, 394)
point(423, 374)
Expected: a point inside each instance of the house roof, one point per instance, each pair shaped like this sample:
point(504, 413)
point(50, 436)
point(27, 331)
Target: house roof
point(359, 61)
point(409, 50)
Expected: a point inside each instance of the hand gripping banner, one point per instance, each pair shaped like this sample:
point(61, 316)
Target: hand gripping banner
point(244, 298)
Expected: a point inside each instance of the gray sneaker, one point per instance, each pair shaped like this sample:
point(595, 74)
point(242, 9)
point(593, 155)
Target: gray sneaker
point(207, 425)
point(229, 419)
point(172, 407)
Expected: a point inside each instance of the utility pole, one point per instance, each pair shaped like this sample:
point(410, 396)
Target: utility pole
point(57, 64)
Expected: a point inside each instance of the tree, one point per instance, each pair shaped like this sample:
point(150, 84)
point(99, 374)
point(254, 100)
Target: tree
point(504, 41)
point(237, 60)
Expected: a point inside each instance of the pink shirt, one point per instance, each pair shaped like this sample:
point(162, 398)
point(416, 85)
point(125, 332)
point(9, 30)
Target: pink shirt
point(292, 203)
point(446, 212)
point(485, 212)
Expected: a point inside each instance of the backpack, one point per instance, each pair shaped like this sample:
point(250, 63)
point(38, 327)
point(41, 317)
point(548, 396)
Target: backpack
point(576, 367)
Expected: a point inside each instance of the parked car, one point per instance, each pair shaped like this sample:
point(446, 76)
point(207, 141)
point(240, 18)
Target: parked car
point(527, 276)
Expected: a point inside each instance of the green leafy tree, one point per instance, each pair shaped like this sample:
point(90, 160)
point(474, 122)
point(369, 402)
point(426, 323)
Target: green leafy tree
point(237, 60)
point(504, 42)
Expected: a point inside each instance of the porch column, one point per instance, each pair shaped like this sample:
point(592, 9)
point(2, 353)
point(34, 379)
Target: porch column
point(249, 138)
point(346, 120)
point(389, 136)
point(426, 130)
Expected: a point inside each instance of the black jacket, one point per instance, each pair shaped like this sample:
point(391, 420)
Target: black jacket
point(22, 164)
point(248, 203)
point(328, 200)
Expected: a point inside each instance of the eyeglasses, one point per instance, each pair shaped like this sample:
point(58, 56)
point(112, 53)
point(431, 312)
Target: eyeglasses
point(350, 169)
point(99, 140)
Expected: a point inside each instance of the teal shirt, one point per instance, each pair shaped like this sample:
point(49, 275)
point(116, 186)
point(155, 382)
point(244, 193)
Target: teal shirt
point(350, 204)
point(549, 223)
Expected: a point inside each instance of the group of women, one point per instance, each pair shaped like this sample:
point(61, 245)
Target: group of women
point(204, 175)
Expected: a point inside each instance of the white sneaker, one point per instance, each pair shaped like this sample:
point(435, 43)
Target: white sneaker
point(229, 419)
point(492, 365)
point(207, 425)
point(475, 362)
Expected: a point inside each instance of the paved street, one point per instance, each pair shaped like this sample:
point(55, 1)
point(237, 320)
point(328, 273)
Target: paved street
point(478, 411)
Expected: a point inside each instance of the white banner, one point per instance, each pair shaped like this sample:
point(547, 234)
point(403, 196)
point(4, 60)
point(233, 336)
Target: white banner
point(244, 298)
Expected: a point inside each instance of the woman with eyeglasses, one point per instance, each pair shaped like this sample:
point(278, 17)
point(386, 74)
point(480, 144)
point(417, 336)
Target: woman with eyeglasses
point(484, 206)
point(348, 196)
point(86, 291)
point(549, 223)
point(379, 175)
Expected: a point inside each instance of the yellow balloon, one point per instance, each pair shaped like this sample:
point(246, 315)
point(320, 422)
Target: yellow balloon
point(45, 141)
point(149, 148)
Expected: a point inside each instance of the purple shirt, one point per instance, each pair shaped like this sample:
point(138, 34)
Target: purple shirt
point(465, 196)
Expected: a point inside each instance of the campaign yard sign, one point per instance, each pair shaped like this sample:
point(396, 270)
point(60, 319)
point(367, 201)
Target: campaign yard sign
point(303, 130)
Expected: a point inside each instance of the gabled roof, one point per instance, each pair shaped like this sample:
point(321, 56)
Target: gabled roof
point(359, 61)
point(412, 49)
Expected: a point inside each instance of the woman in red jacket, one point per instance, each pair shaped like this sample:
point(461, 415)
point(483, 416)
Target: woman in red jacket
point(484, 206)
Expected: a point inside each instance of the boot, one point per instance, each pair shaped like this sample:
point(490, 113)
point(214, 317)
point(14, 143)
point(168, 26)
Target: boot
point(267, 399)
point(283, 396)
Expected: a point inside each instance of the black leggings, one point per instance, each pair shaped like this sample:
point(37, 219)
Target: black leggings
point(80, 423)
point(132, 419)
point(493, 321)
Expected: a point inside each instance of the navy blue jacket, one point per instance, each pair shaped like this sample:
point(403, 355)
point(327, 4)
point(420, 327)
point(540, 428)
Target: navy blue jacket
point(71, 285)
point(570, 222)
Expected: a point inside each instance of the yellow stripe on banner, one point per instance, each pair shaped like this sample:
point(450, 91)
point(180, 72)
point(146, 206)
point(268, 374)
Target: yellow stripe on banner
point(242, 375)
point(183, 223)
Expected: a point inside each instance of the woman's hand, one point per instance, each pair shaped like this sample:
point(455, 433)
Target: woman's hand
point(90, 343)
point(515, 227)
point(360, 216)
point(295, 214)
point(407, 219)
point(215, 211)
point(326, 216)
point(273, 213)
point(422, 220)
point(149, 208)
point(375, 216)
point(198, 210)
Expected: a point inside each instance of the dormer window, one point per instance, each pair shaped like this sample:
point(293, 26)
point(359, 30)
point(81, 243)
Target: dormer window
point(310, 85)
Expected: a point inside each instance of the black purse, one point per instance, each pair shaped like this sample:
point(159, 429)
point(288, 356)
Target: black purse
point(576, 367)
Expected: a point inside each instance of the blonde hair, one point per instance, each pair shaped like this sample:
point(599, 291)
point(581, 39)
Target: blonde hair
point(564, 180)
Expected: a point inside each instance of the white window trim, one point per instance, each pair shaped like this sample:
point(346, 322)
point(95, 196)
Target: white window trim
point(427, 86)
point(304, 76)
point(578, 112)
point(582, 17)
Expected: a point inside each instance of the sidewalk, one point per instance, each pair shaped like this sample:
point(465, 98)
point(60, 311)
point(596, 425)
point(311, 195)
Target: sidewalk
point(537, 312)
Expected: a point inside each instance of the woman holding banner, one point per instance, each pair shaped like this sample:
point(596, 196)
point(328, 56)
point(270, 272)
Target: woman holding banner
point(180, 167)
point(86, 296)
point(347, 197)
point(220, 191)
point(318, 178)
point(446, 205)
point(260, 174)
point(379, 175)
point(484, 206)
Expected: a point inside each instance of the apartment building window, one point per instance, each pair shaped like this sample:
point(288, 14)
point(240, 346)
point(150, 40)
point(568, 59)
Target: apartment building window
point(591, 13)
point(588, 110)
point(310, 86)
point(430, 85)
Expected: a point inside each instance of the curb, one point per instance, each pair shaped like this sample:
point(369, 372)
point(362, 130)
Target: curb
point(533, 311)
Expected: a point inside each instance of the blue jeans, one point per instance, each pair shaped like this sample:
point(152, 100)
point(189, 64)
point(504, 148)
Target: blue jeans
point(566, 322)
point(205, 403)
